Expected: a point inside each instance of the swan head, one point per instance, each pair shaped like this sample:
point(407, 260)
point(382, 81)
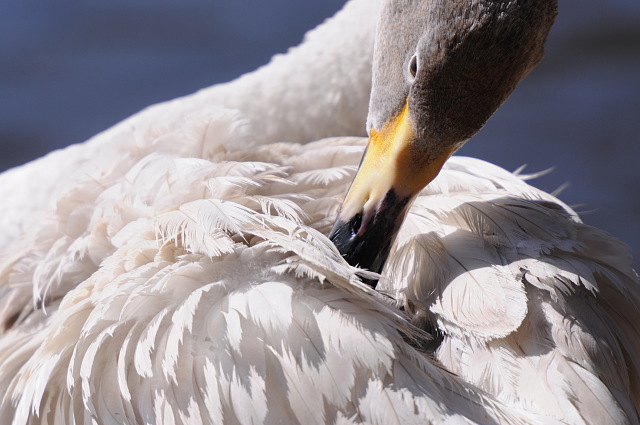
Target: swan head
point(441, 68)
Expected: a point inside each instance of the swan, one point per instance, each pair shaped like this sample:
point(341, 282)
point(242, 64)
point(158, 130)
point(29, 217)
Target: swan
point(182, 274)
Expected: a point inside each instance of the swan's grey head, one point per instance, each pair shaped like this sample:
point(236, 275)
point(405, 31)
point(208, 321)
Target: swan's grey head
point(441, 68)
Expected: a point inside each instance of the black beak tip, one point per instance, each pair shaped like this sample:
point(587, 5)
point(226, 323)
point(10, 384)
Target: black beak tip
point(368, 250)
point(365, 241)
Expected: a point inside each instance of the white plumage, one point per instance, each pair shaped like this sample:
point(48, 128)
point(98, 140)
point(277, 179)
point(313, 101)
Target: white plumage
point(181, 275)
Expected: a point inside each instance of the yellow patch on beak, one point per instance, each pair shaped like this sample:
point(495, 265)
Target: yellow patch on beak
point(389, 163)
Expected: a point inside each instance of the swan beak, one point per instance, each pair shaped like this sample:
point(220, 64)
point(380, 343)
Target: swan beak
point(391, 174)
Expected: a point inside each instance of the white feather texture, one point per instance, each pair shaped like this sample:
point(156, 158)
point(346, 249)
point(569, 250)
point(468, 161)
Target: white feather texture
point(176, 270)
point(204, 291)
point(532, 305)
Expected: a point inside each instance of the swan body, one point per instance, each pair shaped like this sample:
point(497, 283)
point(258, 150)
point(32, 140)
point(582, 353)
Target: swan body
point(201, 291)
point(182, 275)
point(213, 302)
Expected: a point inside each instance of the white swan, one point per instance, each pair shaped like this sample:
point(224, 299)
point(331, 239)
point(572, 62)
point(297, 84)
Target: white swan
point(183, 276)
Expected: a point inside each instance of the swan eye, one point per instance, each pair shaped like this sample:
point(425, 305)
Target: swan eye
point(413, 66)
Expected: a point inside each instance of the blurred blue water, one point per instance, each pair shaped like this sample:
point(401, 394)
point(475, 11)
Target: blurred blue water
point(71, 69)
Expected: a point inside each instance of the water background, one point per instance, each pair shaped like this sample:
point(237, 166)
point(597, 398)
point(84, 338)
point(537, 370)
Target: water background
point(69, 69)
